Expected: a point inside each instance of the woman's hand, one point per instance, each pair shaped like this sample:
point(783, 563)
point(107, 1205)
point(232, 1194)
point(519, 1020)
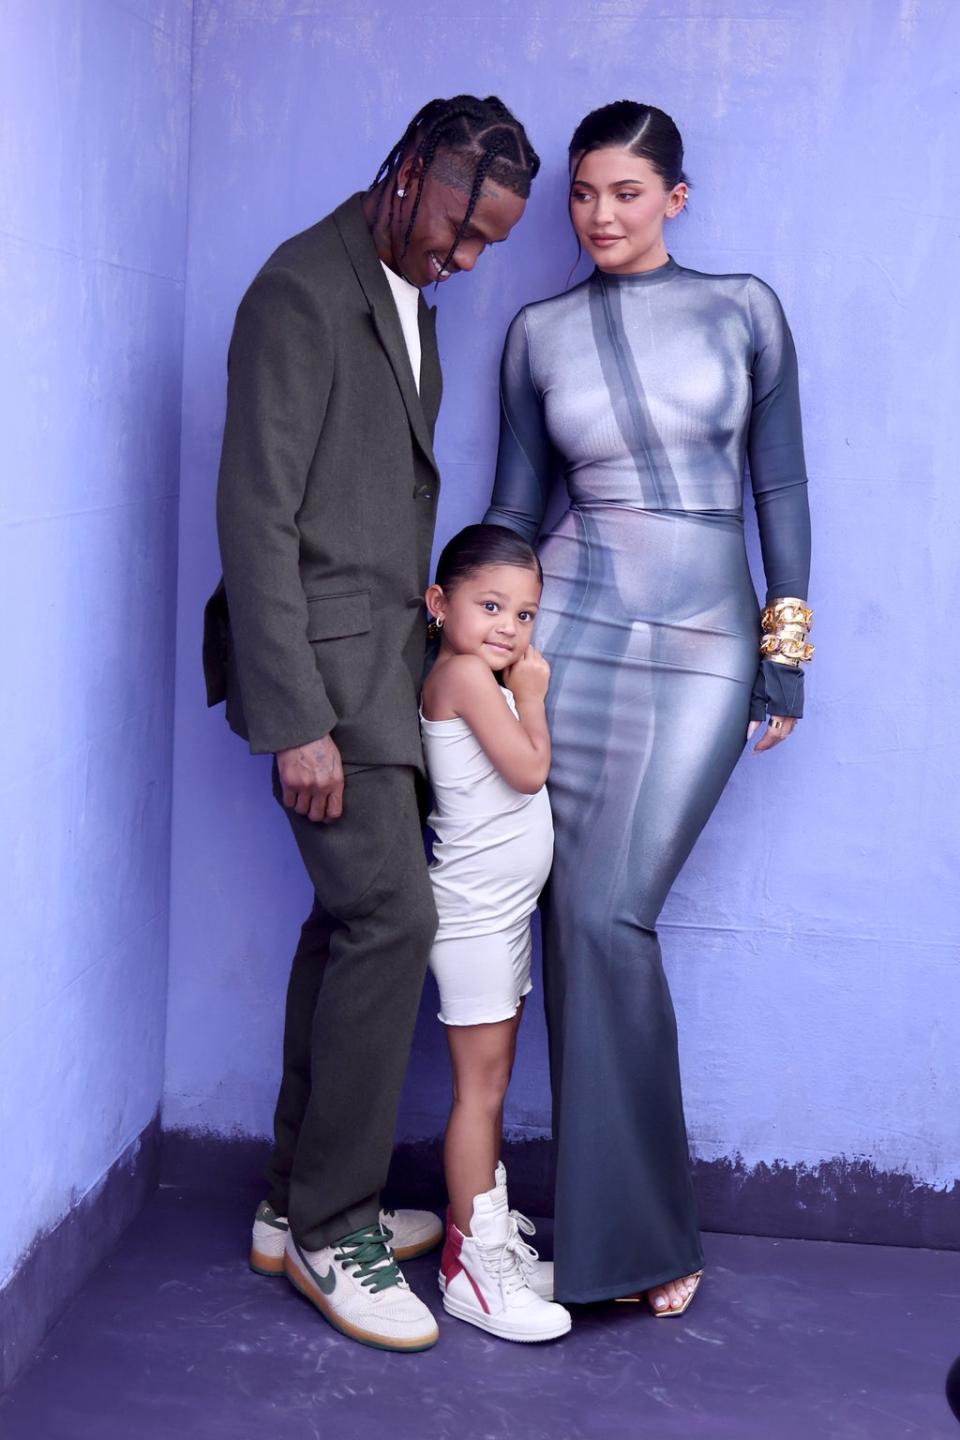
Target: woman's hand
point(778, 728)
point(528, 677)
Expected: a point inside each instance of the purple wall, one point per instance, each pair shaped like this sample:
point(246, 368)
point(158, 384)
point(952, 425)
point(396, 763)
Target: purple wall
point(812, 939)
point(94, 120)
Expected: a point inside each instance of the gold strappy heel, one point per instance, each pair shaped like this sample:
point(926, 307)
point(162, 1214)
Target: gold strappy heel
point(666, 1314)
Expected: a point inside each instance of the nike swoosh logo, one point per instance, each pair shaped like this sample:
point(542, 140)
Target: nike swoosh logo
point(328, 1282)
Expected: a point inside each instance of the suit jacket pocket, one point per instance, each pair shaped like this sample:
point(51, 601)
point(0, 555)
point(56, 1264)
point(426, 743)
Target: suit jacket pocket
point(330, 617)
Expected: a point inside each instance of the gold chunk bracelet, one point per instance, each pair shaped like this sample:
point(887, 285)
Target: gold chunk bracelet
point(785, 624)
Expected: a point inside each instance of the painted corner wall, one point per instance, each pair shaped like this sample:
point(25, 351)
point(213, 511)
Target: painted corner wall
point(94, 138)
point(812, 940)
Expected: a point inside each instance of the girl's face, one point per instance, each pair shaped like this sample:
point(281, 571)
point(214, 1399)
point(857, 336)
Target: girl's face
point(489, 613)
point(618, 204)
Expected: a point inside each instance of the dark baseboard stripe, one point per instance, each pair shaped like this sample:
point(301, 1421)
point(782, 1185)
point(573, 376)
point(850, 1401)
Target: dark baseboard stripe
point(60, 1260)
point(836, 1200)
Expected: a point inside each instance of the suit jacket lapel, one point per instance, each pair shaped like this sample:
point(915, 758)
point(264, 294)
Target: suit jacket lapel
point(358, 242)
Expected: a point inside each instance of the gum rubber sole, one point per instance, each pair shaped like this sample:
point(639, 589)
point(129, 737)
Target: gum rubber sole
point(461, 1311)
point(412, 1252)
point(311, 1292)
point(269, 1265)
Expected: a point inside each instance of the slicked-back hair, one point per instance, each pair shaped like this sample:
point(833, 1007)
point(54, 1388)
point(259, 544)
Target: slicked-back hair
point(477, 546)
point(644, 130)
point(485, 142)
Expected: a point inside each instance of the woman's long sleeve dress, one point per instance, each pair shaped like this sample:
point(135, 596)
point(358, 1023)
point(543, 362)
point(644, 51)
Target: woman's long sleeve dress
point(647, 393)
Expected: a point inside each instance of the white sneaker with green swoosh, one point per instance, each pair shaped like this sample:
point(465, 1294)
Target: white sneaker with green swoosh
point(357, 1286)
point(410, 1232)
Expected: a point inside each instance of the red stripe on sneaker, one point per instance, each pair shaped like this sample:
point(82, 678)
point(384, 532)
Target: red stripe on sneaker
point(452, 1265)
point(450, 1259)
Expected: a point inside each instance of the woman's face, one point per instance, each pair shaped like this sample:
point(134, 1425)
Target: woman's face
point(618, 204)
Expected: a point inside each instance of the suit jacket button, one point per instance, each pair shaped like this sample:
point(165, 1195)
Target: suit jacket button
point(423, 492)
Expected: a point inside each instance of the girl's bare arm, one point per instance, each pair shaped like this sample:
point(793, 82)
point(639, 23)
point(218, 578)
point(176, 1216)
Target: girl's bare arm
point(520, 749)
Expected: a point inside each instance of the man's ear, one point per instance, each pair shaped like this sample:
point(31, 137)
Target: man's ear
point(408, 172)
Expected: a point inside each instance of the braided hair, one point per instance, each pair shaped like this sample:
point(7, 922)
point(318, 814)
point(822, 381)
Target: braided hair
point(483, 140)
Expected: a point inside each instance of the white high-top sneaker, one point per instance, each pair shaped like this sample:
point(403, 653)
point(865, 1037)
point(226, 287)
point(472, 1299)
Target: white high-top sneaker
point(410, 1232)
point(539, 1272)
point(357, 1286)
point(483, 1278)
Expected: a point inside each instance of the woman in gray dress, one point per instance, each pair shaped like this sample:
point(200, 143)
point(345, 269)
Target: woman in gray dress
point(646, 387)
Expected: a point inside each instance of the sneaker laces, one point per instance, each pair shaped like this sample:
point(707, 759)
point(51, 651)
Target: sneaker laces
point(507, 1263)
point(528, 1256)
point(367, 1254)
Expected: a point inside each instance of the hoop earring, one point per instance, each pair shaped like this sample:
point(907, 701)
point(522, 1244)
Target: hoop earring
point(434, 627)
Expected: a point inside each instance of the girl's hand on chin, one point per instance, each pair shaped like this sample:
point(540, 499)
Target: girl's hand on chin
point(529, 676)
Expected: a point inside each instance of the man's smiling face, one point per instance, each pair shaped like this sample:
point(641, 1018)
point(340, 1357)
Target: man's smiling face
point(443, 204)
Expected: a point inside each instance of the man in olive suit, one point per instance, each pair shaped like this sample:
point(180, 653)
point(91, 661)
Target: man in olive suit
point(315, 638)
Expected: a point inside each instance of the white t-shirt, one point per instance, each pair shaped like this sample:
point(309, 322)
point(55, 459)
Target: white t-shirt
point(407, 300)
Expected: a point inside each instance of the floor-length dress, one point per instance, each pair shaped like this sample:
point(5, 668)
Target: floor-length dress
point(647, 393)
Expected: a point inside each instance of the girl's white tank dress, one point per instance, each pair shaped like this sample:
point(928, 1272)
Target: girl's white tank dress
point(492, 856)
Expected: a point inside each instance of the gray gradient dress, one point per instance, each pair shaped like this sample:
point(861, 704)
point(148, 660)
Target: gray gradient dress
point(646, 393)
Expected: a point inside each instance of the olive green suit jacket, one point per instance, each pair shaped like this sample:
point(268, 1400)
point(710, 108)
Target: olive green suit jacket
point(326, 505)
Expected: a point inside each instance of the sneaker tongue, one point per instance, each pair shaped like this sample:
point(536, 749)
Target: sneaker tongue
point(490, 1221)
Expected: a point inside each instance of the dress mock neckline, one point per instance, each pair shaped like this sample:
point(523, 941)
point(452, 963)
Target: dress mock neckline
point(666, 271)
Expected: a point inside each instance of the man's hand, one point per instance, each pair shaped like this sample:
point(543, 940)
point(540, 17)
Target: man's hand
point(311, 777)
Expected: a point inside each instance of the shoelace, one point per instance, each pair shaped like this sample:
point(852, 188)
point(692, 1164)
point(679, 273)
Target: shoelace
point(507, 1263)
point(529, 1257)
point(368, 1255)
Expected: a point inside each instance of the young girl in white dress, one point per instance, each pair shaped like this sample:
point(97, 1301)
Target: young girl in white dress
point(487, 750)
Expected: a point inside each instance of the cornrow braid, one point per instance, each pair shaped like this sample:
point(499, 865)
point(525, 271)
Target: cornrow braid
point(484, 166)
point(425, 153)
point(427, 117)
point(483, 131)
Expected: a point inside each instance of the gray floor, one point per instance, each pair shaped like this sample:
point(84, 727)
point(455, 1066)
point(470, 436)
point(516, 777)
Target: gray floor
point(174, 1339)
